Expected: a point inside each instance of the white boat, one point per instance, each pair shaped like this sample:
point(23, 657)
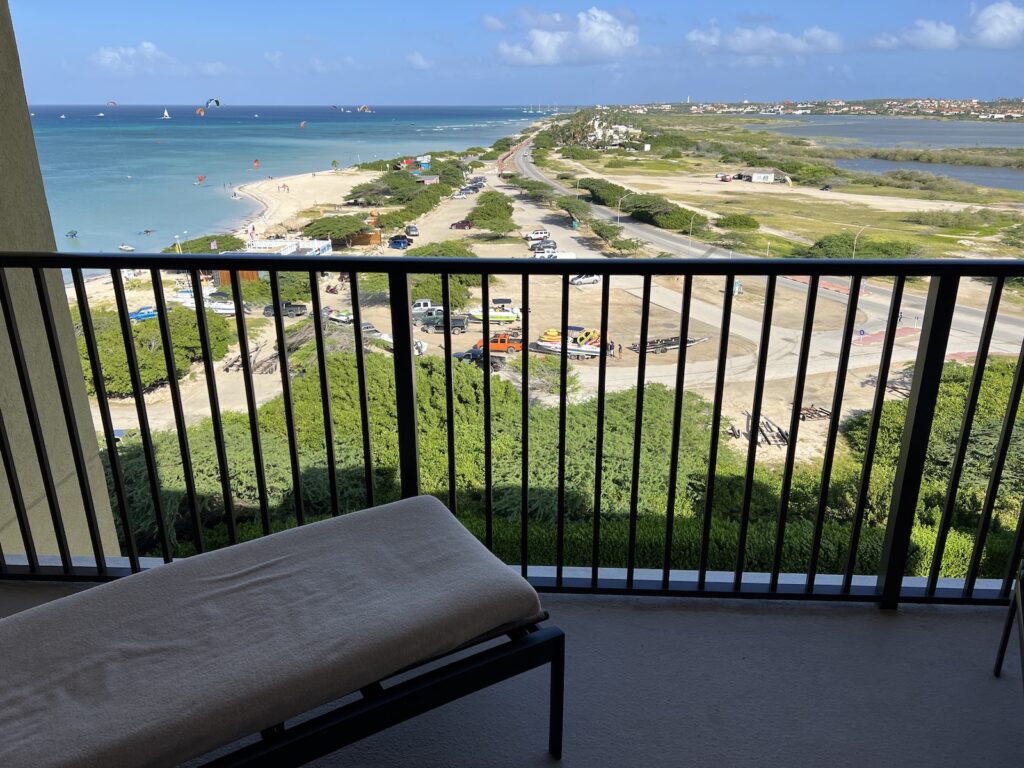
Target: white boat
point(63, 117)
point(100, 114)
point(497, 314)
point(166, 115)
point(126, 248)
point(583, 342)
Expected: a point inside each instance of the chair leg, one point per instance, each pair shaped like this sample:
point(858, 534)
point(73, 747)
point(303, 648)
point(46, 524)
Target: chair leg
point(1004, 642)
point(557, 700)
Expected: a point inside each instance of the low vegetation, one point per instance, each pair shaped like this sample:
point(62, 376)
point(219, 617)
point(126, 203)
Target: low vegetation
point(221, 243)
point(493, 212)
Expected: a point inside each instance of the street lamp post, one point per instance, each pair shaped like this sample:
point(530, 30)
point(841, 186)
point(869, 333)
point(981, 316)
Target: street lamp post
point(689, 237)
point(578, 188)
point(855, 240)
point(618, 205)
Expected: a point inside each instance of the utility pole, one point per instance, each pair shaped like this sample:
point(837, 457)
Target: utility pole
point(855, 240)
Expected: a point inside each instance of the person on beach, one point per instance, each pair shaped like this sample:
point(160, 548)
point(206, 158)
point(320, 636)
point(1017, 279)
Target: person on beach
point(620, 351)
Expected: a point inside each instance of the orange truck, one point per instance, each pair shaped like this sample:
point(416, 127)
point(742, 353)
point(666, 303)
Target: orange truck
point(503, 343)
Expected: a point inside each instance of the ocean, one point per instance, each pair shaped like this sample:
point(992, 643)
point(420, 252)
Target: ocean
point(111, 177)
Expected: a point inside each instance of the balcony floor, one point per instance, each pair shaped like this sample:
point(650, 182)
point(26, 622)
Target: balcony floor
point(667, 682)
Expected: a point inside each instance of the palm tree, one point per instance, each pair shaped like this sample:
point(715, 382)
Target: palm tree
point(334, 164)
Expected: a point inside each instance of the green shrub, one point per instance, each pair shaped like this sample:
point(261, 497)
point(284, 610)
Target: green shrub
point(737, 221)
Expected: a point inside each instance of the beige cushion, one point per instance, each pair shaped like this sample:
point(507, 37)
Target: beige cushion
point(168, 664)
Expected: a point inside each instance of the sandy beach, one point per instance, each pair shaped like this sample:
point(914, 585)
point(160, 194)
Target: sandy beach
point(283, 197)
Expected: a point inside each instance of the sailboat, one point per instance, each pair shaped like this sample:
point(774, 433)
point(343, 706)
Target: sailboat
point(166, 115)
point(63, 117)
point(100, 114)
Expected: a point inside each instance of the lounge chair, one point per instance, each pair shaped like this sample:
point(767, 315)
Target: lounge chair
point(169, 664)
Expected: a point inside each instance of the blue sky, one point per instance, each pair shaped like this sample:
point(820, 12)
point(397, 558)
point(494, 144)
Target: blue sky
point(324, 51)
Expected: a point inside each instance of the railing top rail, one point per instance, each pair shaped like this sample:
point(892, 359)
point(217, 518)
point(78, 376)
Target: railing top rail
point(518, 266)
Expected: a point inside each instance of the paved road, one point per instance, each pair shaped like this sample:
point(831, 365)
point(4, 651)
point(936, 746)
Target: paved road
point(967, 321)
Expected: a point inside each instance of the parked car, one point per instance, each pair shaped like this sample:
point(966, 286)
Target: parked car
point(400, 242)
point(459, 196)
point(827, 188)
point(539, 245)
point(369, 329)
point(537, 234)
point(503, 343)
point(476, 355)
point(464, 224)
point(459, 324)
point(430, 315)
point(142, 313)
point(584, 279)
point(412, 231)
point(219, 296)
point(288, 309)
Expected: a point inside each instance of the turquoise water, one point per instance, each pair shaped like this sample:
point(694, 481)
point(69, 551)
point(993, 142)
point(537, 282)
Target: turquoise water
point(111, 177)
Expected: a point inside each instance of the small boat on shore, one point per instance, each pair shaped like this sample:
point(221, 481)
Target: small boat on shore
point(582, 342)
point(126, 248)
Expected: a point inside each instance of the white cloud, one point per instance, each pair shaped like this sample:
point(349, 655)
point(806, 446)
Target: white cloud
point(213, 68)
point(597, 36)
point(274, 58)
point(762, 41)
point(318, 66)
point(530, 18)
point(418, 61)
point(925, 35)
point(492, 23)
point(145, 58)
point(999, 25)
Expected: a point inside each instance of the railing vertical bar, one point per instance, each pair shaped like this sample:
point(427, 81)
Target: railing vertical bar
point(833, 428)
point(14, 484)
point(485, 302)
point(638, 431)
point(924, 392)
point(32, 412)
point(176, 406)
point(602, 377)
point(1014, 565)
point(563, 373)
point(286, 392)
point(794, 429)
point(449, 392)
point(716, 427)
point(754, 428)
point(405, 384)
point(872, 440)
point(524, 510)
point(946, 519)
point(677, 420)
point(148, 451)
point(70, 421)
point(364, 402)
point(215, 418)
point(325, 390)
point(92, 349)
point(996, 474)
point(250, 402)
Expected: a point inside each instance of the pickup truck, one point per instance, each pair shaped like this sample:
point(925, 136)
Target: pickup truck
point(288, 309)
point(428, 316)
point(503, 343)
point(422, 305)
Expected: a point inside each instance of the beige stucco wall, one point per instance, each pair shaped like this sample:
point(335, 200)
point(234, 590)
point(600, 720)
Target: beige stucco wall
point(25, 226)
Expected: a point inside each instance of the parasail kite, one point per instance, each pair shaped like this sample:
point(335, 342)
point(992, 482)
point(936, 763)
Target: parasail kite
point(212, 103)
point(302, 124)
point(200, 111)
point(335, 107)
point(255, 164)
point(111, 103)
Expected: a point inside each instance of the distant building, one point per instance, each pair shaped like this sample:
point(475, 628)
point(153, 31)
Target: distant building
point(762, 175)
point(428, 180)
point(272, 247)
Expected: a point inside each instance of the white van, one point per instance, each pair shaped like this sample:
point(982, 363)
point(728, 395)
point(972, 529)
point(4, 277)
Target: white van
point(564, 255)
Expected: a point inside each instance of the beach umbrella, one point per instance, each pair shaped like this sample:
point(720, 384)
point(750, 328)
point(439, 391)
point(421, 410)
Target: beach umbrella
point(200, 111)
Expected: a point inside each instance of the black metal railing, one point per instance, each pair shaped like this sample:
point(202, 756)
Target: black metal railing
point(939, 281)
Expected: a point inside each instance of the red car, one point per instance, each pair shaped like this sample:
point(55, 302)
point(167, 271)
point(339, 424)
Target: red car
point(464, 224)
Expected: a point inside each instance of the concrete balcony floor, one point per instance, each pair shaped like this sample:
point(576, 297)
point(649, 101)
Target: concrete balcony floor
point(674, 682)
